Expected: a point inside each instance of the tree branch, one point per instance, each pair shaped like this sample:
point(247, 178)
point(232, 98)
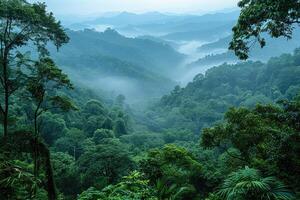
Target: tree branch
point(12, 41)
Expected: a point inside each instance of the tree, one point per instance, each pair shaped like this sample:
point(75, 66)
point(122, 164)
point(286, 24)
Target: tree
point(22, 23)
point(93, 123)
point(175, 168)
point(266, 138)
point(275, 17)
point(120, 99)
point(71, 143)
point(248, 184)
point(18, 185)
point(54, 127)
point(107, 124)
point(94, 107)
point(173, 191)
point(90, 194)
point(20, 143)
point(244, 130)
point(105, 165)
point(120, 127)
point(65, 173)
point(101, 134)
point(131, 187)
point(42, 83)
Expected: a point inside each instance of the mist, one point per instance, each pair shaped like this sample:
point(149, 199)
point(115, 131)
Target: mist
point(143, 100)
point(144, 56)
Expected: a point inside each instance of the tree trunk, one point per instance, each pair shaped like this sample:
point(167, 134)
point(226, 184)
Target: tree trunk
point(5, 61)
point(35, 148)
point(35, 153)
point(6, 93)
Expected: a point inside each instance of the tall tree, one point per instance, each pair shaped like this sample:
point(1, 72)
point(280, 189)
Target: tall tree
point(277, 18)
point(22, 23)
point(42, 83)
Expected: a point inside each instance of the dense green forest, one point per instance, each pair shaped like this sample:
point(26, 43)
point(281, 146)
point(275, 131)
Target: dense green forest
point(204, 100)
point(232, 133)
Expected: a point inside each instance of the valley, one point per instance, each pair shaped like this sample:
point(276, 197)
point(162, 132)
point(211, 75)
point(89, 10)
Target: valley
point(149, 100)
point(160, 48)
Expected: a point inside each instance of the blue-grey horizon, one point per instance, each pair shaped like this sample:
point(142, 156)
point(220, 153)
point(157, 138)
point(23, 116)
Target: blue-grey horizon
point(92, 7)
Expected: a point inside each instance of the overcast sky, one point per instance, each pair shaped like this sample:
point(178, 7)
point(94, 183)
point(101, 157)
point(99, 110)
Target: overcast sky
point(89, 7)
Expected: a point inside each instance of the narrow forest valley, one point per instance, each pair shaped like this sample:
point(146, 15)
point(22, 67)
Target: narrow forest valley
point(150, 106)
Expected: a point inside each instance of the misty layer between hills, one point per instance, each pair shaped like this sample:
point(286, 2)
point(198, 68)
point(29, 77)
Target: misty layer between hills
point(145, 56)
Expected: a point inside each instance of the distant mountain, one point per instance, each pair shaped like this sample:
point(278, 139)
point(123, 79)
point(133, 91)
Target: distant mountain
point(186, 27)
point(274, 47)
point(158, 39)
point(111, 61)
point(213, 17)
point(214, 59)
point(205, 99)
point(151, 55)
point(205, 31)
point(158, 24)
point(222, 43)
point(126, 18)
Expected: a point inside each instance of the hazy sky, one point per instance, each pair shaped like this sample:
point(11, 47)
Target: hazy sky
point(88, 7)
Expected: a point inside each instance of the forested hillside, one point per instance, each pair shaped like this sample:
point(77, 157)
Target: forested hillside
point(220, 53)
point(130, 66)
point(88, 115)
point(150, 55)
point(205, 100)
point(101, 141)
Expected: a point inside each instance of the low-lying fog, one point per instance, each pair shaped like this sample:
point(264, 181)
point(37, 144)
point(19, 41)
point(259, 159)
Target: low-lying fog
point(200, 42)
point(133, 90)
point(183, 73)
point(192, 52)
point(190, 48)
